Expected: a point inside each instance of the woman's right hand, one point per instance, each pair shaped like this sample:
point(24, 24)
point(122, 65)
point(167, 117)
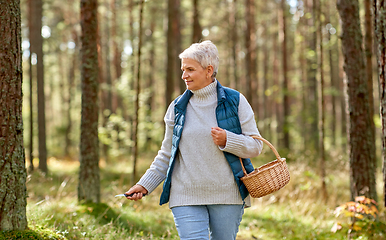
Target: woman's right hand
point(138, 192)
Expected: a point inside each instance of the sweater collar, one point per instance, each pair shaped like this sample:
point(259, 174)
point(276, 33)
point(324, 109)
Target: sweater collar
point(206, 93)
point(182, 101)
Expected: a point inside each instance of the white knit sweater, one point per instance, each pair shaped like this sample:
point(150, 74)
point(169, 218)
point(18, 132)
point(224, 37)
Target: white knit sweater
point(201, 173)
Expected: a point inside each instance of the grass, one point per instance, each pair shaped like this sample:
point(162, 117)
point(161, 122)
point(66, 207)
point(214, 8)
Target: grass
point(52, 204)
point(295, 212)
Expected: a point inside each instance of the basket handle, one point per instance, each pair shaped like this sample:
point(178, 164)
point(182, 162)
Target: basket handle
point(270, 146)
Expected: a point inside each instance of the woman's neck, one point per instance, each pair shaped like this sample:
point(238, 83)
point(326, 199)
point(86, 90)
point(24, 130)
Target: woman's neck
point(206, 92)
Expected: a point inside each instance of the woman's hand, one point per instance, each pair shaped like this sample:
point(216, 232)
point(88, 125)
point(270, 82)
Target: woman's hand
point(219, 136)
point(138, 192)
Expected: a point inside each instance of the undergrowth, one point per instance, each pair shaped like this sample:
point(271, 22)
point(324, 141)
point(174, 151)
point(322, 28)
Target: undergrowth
point(295, 212)
point(36, 233)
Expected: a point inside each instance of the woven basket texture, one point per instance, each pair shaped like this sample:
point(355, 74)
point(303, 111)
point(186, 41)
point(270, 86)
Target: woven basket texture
point(268, 178)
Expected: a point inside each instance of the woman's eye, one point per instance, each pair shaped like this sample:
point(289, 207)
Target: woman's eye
point(187, 70)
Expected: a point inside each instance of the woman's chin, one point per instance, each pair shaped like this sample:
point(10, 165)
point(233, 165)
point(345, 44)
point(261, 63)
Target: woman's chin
point(190, 87)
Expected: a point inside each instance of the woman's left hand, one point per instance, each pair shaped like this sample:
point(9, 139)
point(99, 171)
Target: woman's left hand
point(219, 136)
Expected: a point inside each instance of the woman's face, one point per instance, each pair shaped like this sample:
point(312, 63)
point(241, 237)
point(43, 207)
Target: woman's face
point(194, 75)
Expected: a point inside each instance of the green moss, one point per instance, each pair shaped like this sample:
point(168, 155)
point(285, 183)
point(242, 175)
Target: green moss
point(38, 233)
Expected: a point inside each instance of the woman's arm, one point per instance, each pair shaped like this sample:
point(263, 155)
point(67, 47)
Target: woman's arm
point(158, 169)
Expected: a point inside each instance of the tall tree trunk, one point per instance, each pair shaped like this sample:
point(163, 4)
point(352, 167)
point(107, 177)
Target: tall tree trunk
point(342, 100)
point(250, 45)
point(321, 99)
point(151, 77)
point(117, 49)
point(131, 61)
point(172, 55)
point(169, 62)
point(71, 83)
point(332, 63)
point(131, 38)
point(267, 103)
point(303, 67)
point(37, 48)
point(312, 96)
point(107, 83)
point(286, 101)
point(177, 26)
point(106, 87)
point(276, 82)
point(138, 91)
point(13, 175)
point(117, 101)
point(234, 38)
point(197, 35)
point(61, 58)
point(31, 88)
point(380, 33)
point(368, 43)
point(361, 145)
point(89, 181)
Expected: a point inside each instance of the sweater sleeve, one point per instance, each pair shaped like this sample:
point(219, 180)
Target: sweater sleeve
point(158, 169)
point(243, 145)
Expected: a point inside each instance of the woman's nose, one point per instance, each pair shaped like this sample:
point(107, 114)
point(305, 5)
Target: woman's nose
point(184, 75)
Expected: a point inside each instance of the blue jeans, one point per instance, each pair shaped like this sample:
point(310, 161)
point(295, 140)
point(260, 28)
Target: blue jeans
point(219, 222)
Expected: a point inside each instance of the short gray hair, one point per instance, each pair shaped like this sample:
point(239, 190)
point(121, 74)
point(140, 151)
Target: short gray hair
point(205, 53)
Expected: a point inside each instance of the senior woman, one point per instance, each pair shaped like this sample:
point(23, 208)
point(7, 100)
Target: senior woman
point(208, 128)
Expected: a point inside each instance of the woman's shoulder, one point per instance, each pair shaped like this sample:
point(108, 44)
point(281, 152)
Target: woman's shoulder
point(231, 91)
point(236, 96)
point(232, 95)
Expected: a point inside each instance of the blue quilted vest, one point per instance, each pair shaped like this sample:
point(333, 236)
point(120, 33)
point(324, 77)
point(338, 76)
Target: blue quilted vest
point(227, 118)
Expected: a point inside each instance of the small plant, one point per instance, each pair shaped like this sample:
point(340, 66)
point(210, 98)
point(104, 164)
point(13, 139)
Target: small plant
point(362, 215)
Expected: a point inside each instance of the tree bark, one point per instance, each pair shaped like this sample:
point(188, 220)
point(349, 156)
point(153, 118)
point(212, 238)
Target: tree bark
point(312, 96)
point(332, 55)
point(151, 78)
point(71, 83)
point(368, 43)
point(197, 30)
point(276, 82)
point(37, 48)
point(303, 67)
point(13, 192)
point(106, 84)
point(31, 26)
point(89, 181)
point(361, 145)
point(321, 100)
point(343, 102)
point(177, 23)
point(172, 55)
point(131, 60)
point(267, 103)
point(380, 33)
point(234, 37)
point(286, 101)
point(117, 101)
point(250, 46)
point(138, 91)
point(117, 49)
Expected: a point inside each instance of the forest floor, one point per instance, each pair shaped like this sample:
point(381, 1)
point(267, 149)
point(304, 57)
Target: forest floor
point(295, 212)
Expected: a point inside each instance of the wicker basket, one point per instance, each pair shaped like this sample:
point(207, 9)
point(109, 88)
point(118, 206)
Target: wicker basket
point(268, 178)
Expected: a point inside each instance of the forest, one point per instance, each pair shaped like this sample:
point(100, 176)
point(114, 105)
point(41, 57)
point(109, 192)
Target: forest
point(85, 86)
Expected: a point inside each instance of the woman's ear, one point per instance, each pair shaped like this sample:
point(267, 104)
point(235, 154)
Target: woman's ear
point(210, 71)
